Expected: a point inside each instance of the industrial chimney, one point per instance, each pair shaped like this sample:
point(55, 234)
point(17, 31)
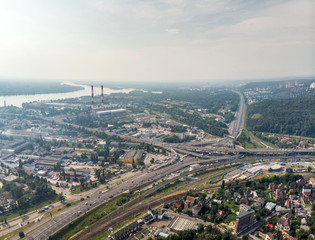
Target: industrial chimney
point(102, 96)
point(92, 96)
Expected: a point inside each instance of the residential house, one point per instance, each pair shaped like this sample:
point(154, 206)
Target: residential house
point(247, 192)
point(220, 213)
point(270, 236)
point(272, 187)
point(228, 193)
point(280, 194)
point(312, 182)
point(259, 202)
point(284, 223)
point(307, 191)
point(196, 209)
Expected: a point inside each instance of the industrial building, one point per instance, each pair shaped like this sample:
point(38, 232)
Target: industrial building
point(180, 224)
point(111, 113)
point(102, 111)
point(133, 156)
point(194, 167)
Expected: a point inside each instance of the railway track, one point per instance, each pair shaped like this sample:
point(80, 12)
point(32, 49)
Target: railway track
point(127, 212)
point(104, 224)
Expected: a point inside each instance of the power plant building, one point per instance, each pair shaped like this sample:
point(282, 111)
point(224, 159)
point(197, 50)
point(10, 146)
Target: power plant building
point(111, 113)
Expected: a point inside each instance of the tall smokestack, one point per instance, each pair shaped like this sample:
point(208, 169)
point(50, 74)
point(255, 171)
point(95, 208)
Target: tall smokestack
point(102, 96)
point(92, 96)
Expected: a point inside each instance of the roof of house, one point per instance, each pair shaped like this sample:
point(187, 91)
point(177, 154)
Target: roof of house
point(284, 222)
point(190, 199)
point(312, 180)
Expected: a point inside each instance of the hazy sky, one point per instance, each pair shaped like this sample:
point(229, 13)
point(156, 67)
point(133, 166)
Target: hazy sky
point(147, 40)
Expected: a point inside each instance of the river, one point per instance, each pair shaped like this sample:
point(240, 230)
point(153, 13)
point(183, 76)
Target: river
point(17, 100)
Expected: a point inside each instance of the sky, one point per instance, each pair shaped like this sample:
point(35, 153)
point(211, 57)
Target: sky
point(156, 40)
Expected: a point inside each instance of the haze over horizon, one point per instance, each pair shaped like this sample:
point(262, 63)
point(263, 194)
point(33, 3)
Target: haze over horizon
point(165, 40)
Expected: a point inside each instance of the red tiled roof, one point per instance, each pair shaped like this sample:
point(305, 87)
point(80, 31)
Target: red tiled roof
point(312, 180)
point(190, 199)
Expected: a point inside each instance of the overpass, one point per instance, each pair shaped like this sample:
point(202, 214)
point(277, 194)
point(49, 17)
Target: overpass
point(201, 151)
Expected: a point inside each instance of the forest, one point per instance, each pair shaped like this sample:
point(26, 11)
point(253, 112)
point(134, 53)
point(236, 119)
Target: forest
point(38, 191)
point(213, 100)
point(27, 88)
point(209, 125)
point(295, 116)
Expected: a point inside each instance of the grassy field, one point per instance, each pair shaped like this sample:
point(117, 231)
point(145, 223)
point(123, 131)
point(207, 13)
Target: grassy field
point(88, 187)
point(259, 141)
point(171, 187)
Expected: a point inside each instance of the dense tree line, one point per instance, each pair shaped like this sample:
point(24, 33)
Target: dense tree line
point(285, 116)
point(178, 129)
point(209, 125)
point(20, 88)
point(176, 139)
point(213, 100)
point(38, 191)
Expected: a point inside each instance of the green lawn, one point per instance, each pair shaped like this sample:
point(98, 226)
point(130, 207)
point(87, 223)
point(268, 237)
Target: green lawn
point(268, 198)
point(227, 219)
point(88, 187)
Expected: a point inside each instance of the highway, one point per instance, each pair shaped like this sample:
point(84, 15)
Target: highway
point(71, 213)
point(68, 215)
point(146, 177)
point(239, 121)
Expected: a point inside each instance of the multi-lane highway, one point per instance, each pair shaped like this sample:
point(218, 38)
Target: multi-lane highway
point(68, 215)
point(239, 121)
point(146, 177)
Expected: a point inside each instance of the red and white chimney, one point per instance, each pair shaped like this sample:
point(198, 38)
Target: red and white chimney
point(102, 96)
point(92, 96)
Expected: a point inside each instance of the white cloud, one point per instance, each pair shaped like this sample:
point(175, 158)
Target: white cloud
point(173, 31)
